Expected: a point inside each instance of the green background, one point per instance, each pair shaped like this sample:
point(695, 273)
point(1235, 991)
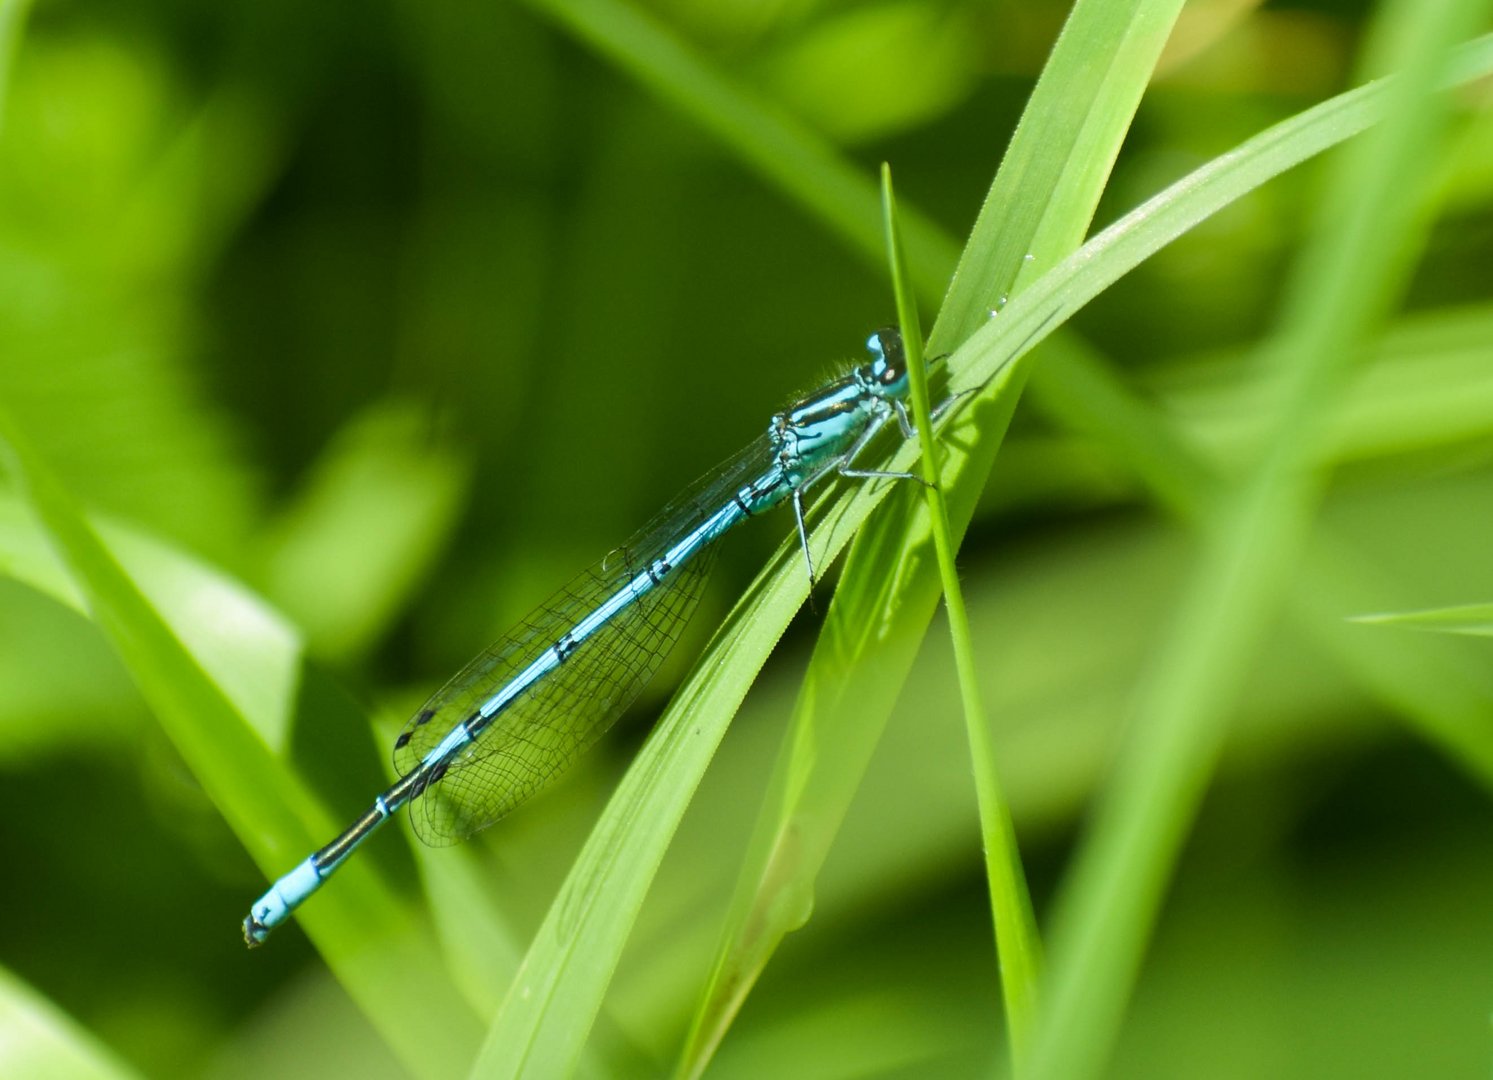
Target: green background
point(401, 313)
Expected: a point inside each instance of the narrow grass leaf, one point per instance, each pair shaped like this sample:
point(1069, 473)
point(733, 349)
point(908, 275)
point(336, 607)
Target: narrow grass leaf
point(1039, 206)
point(245, 647)
point(1343, 283)
point(376, 511)
point(12, 21)
point(1442, 696)
point(1427, 384)
point(563, 978)
point(1475, 619)
point(1440, 691)
point(1018, 945)
point(383, 958)
point(1043, 197)
point(554, 999)
point(38, 1040)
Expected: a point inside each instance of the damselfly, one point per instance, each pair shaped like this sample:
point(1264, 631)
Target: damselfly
point(521, 712)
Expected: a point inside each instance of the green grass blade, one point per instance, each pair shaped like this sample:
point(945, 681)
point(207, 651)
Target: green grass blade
point(1474, 619)
point(1344, 283)
point(1443, 698)
point(12, 20)
point(1440, 692)
point(244, 647)
point(383, 958)
point(860, 701)
point(376, 510)
point(1202, 193)
point(558, 989)
point(1043, 197)
point(38, 1040)
point(843, 198)
point(565, 972)
point(1038, 209)
point(1018, 945)
point(1428, 385)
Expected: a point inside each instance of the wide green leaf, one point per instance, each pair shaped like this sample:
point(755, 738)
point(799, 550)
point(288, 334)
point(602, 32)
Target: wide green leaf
point(383, 957)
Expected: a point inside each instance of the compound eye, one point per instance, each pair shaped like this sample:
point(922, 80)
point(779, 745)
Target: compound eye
point(889, 363)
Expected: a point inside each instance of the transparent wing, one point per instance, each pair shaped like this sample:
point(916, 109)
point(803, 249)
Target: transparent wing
point(544, 730)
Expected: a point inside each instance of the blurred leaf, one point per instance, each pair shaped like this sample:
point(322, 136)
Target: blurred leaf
point(375, 513)
point(765, 139)
point(1365, 241)
point(1425, 388)
point(1476, 619)
point(1427, 383)
point(212, 171)
point(1467, 180)
point(25, 556)
point(244, 646)
point(849, 1036)
point(95, 310)
point(1203, 27)
point(1394, 983)
point(39, 1042)
point(308, 1029)
point(12, 20)
point(866, 71)
point(383, 959)
point(62, 692)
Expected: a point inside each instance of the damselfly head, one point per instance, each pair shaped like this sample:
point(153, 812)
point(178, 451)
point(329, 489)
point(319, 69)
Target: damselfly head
point(888, 361)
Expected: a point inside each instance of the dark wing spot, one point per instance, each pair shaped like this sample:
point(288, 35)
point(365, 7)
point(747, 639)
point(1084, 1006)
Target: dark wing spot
point(424, 717)
point(403, 740)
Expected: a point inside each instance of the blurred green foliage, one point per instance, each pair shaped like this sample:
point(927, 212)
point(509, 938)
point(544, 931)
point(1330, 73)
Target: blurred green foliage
point(399, 315)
